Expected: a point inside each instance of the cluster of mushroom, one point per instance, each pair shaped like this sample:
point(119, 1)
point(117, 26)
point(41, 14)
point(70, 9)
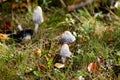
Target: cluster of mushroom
point(65, 39)
point(61, 58)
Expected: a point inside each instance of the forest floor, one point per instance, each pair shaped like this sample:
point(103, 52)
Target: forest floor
point(95, 37)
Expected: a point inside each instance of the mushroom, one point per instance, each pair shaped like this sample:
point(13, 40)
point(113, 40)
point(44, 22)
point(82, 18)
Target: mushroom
point(65, 52)
point(25, 35)
point(117, 4)
point(22, 35)
point(20, 27)
point(37, 17)
point(67, 37)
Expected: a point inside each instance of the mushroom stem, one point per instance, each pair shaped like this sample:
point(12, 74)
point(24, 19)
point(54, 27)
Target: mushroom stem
point(63, 59)
point(20, 27)
point(36, 28)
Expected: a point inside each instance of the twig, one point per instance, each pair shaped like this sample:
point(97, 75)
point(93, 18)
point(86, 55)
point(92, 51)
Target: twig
point(79, 5)
point(62, 2)
point(16, 21)
point(74, 15)
point(29, 6)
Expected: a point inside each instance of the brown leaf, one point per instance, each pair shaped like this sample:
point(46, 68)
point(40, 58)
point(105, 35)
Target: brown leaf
point(110, 39)
point(38, 52)
point(47, 44)
point(49, 56)
point(109, 29)
point(1, 18)
point(99, 30)
point(4, 0)
point(23, 5)
point(7, 25)
point(14, 6)
point(32, 54)
point(31, 1)
point(83, 40)
point(53, 54)
point(92, 68)
point(42, 67)
point(59, 65)
point(96, 4)
point(3, 36)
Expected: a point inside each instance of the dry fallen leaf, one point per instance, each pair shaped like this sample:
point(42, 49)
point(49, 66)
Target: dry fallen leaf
point(49, 56)
point(96, 4)
point(7, 25)
point(3, 36)
point(38, 52)
point(99, 30)
point(23, 5)
point(42, 67)
point(31, 1)
point(4, 0)
point(110, 39)
point(83, 40)
point(14, 6)
point(59, 65)
point(1, 18)
point(110, 29)
point(47, 44)
point(32, 54)
point(92, 68)
point(53, 54)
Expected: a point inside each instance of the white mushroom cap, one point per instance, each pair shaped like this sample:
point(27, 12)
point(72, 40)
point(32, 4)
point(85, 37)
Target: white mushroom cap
point(20, 27)
point(27, 37)
point(65, 52)
point(117, 4)
point(67, 37)
point(37, 15)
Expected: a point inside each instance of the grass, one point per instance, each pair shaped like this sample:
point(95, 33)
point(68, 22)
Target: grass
point(18, 63)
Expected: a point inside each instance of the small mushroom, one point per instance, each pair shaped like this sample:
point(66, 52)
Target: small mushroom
point(22, 35)
point(117, 4)
point(67, 38)
point(37, 17)
point(26, 34)
point(20, 27)
point(65, 52)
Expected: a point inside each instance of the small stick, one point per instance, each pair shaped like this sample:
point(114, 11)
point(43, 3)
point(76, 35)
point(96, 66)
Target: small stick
point(62, 2)
point(73, 14)
point(29, 6)
point(79, 5)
